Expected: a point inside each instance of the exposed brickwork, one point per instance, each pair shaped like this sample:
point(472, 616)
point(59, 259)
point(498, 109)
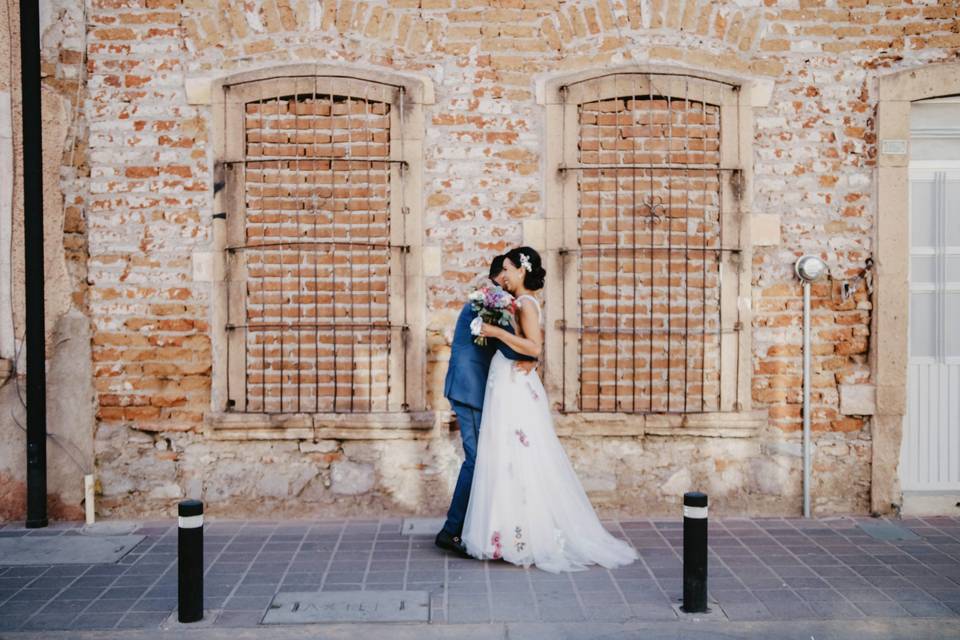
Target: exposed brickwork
point(649, 259)
point(296, 359)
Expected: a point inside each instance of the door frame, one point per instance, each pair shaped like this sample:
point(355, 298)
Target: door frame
point(891, 297)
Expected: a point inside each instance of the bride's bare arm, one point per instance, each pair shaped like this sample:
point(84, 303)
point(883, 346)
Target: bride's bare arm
point(530, 340)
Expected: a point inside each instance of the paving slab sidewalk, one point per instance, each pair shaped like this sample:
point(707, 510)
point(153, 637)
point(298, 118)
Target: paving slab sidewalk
point(771, 575)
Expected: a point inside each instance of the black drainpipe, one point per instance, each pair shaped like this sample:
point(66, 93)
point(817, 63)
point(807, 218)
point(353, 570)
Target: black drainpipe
point(33, 265)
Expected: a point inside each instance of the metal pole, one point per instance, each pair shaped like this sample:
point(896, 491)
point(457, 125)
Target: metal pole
point(190, 561)
point(33, 265)
point(695, 552)
point(808, 268)
point(806, 399)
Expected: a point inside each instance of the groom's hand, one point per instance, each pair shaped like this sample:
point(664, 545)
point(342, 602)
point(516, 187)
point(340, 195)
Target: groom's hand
point(526, 365)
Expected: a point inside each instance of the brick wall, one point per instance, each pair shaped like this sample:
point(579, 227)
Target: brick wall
point(148, 206)
point(296, 359)
point(648, 256)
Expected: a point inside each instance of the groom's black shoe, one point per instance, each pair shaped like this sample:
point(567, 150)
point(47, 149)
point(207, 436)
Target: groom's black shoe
point(451, 543)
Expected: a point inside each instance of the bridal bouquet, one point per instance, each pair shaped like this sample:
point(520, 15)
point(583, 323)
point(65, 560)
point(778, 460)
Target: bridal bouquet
point(493, 305)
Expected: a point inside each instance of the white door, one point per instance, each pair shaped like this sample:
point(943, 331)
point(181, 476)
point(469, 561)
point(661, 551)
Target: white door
point(931, 438)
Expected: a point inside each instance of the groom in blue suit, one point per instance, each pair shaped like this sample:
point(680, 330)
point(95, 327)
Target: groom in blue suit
point(465, 386)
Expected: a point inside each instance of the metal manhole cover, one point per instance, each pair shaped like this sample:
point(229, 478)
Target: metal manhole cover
point(65, 549)
point(349, 606)
point(886, 530)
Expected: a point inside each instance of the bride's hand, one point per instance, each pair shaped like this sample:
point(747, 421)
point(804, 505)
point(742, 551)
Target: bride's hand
point(488, 330)
point(525, 366)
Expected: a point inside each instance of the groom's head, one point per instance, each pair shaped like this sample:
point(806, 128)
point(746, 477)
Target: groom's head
point(496, 270)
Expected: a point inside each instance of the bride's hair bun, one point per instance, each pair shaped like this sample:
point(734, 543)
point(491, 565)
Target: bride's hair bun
point(529, 259)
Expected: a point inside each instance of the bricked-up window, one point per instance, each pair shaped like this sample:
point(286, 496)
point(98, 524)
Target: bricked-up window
point(652, 329)
point(317, 247)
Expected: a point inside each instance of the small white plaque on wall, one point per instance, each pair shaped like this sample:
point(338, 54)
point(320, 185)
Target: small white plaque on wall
point(535, 234)
point(765, 230)
point(893, 147)
point(432, 262)
point(858, 399)
point(198, 90)
point(208, 266)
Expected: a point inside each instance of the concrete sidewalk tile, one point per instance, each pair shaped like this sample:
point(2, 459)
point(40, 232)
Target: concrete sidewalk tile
point(945, 595)
point(472, 614)
point(934, 582)
point(787, 610)
point(342, 587)
point(927, 609)
point(736, 596)
point(844, 582)
point(834, 570)
point(652, 612)
point(513, 614)
point(34, 595)
point(609, 612)
point(154, 604)
point(48, 622)
point(550, 613)
point(111, 605)
point(746, 611)
point(29, 570)
point(907, 595)
point(794, 571)
point(835, 609)
point(805, 582)
point(776, 595)
point(248, 603)
point(96, 620)
point(71, 607)
point(133, 580)
point(882, 609)
point(251, 590)
point(18, 608)
point(763, 583)
point(864, 595)
point(52, 582)
point(10, 623)
point(644, 595)
point(238, 619)
point(590, 598)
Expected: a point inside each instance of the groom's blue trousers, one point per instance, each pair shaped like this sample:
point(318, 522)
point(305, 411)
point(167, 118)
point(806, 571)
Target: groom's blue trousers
point(469, 420)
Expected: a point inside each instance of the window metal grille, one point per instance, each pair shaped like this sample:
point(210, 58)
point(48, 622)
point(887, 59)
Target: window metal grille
point(314, 248)
point(650, 256)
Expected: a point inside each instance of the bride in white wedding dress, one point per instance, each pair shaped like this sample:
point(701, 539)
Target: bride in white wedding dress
point(527, 505)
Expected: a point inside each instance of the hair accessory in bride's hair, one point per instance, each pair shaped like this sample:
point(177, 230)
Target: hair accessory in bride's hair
point(525, 262)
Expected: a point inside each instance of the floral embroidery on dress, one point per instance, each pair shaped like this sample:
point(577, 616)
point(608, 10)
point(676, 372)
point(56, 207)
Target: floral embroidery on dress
point(495, 541)
point(533, 392)
point(519, 544)
point(522, 437)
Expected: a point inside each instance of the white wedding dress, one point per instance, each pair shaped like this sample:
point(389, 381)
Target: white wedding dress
point(526, 503)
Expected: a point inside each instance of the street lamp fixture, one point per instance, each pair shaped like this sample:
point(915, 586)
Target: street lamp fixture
point(810, 268)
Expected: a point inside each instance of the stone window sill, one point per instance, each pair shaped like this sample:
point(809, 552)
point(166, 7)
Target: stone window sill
point(320, 426)
point(734, 424)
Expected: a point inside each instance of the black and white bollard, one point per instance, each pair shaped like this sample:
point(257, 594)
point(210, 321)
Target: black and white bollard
point(190, 561)
point(694, 552)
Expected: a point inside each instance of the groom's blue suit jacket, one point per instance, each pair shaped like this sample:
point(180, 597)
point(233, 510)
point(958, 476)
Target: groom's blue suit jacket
point(469, 362)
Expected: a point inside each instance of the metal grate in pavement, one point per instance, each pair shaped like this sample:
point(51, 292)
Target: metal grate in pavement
point(348, 606)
